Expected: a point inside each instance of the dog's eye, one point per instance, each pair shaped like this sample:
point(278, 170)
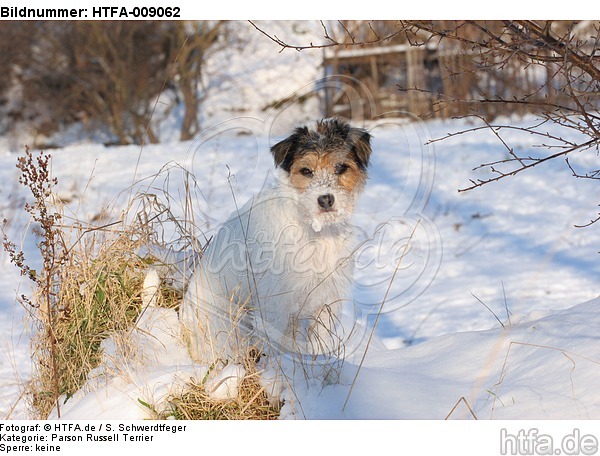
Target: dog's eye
point(306, 172)
point(341, 168)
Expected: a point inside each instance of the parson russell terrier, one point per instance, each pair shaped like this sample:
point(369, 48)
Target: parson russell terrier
point(275, 276)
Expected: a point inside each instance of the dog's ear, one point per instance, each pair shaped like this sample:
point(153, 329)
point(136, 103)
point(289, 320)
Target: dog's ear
point(284, 151)
point(360, 145)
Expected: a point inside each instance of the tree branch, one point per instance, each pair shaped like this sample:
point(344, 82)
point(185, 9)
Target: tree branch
point(534, 163)
point(332, 42)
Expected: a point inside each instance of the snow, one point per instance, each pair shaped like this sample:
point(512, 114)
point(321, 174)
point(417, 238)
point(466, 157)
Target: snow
point(494, 302)
point(139, 367)
point(150, 289)
point(538, 369)
point(226, 384)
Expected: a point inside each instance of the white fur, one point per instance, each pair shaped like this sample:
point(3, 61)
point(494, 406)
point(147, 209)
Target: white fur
point(275, 276)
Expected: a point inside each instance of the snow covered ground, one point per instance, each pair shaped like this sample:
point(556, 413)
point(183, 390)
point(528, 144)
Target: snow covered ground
point(496, 301)
point(511, 246)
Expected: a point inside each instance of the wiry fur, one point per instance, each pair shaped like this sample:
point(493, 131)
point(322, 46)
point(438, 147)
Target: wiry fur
point(278, 271)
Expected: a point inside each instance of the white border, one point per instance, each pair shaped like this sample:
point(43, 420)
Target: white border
point(348, 9)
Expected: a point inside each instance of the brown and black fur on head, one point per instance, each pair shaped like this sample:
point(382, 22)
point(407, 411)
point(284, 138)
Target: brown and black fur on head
point(327, 167)
point(332, 151)
point(329, 135)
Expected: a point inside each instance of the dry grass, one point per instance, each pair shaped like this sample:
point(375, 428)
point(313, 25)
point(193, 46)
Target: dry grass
point(250, 404)
point(98, 292)
point(91, 288)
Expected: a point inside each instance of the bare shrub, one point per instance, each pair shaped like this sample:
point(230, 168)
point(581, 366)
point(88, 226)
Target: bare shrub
point(88, 287)
point(495, 68)
point(107, 76)
point(91, 287)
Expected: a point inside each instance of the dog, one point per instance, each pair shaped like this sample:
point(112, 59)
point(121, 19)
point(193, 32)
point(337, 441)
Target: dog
point(276, 275)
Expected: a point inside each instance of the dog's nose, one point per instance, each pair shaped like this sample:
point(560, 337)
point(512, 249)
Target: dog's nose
point(326, 201)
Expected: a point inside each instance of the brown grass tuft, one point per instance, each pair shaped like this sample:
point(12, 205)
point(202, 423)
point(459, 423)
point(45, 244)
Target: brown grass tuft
point(252, 402)
point(98, 293)
point(90, 287)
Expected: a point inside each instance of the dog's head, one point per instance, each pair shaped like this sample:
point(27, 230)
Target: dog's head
point(327, 167)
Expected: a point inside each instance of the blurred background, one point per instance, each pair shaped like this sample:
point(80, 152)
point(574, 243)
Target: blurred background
point(135, 82)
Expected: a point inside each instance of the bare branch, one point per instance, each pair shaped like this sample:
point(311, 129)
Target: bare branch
point(590, 223)
point(332, 41)
point(534, 163)
point(594, 175)
point(562, 47)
